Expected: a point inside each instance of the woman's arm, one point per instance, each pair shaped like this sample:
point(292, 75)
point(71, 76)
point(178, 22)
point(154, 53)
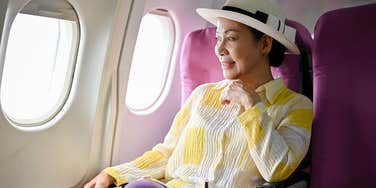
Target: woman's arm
point(278, 150)
point(153, 163)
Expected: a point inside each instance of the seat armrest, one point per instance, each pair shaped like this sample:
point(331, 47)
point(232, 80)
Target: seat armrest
point(267, 185)
point(297, 179)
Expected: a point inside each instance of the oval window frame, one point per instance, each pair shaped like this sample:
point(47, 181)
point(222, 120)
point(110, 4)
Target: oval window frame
point(166, 84)
point(63, 10)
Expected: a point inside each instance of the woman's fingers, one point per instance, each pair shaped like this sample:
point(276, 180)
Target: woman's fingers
point(102, 180)
point(240, 93)
point(225, 99)
point(230, 93)
point(100, 185)
point(90, 184)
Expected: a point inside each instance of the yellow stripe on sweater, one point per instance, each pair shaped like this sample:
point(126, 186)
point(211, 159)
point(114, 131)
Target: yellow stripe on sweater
point(119, 180)
point(301, 118)
point(147, 159)
point(194, 146)
point(179, 119)
point(284, 169)
point(176, 183)
point(255, 134)
point(284, 96)
point(212, 97)
point(244, 156)
point(250, 120)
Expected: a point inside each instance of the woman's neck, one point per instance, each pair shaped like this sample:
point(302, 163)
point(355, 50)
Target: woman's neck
point(257, 77)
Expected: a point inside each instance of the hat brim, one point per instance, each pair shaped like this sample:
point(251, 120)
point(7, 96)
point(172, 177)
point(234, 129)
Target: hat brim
point(211, 15)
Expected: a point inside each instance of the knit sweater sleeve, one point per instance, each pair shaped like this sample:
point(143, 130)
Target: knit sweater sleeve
point(278, 148)
point(152, 164)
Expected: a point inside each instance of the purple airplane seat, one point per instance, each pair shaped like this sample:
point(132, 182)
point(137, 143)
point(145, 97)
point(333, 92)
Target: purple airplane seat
point(198, 63)
point(344, 74)
point(296, 69)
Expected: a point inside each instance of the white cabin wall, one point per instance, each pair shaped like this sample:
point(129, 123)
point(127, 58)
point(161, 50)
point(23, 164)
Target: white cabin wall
point(59, 156)
point(137, 133)
point(3, 10)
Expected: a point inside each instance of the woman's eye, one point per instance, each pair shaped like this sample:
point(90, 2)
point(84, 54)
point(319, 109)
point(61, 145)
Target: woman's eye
point(230, 38)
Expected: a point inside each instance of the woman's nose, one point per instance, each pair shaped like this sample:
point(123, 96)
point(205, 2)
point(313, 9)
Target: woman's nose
point(220, 49)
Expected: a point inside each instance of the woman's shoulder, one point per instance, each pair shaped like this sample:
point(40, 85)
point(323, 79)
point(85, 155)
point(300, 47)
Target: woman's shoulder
point(300, 100)
point(200, 90)
point(206, 86)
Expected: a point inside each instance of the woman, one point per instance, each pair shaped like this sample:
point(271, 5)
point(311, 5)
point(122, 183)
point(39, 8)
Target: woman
point(242, 131)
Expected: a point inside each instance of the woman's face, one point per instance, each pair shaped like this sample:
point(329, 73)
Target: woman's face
point(237, 49)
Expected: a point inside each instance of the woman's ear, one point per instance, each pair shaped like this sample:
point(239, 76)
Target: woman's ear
point(266, 44)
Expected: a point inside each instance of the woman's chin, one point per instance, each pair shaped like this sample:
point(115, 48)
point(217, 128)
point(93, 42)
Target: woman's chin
point(229, 75)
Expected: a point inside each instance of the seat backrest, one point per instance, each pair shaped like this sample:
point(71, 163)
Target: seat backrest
point(296, 70)
point(344, 71)
point(198, 63)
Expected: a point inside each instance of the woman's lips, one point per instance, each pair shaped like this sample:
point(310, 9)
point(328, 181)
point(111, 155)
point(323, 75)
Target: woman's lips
point(226, 65)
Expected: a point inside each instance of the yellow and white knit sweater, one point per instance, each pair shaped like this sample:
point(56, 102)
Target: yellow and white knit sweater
point(226, 145)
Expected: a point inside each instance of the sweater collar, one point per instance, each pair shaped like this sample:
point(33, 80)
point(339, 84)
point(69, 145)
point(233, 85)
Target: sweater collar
point(271, 89)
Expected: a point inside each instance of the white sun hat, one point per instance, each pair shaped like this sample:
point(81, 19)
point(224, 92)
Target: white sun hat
point(258, 14)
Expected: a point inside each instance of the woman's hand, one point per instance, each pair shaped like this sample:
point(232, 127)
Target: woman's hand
point(102, 180)
point(239, 93)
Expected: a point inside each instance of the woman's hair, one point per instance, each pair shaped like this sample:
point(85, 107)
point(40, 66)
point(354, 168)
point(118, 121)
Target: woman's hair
point(276, 54)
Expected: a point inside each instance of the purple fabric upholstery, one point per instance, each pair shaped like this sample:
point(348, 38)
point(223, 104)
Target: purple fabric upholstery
point(344, 131)
point(290, 70)
point(200, 65)
point(143, 184)
point(198, 61)
point(303, 38)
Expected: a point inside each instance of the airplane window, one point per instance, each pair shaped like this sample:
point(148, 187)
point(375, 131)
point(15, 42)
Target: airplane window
point(151, 61)
point(39, 62)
